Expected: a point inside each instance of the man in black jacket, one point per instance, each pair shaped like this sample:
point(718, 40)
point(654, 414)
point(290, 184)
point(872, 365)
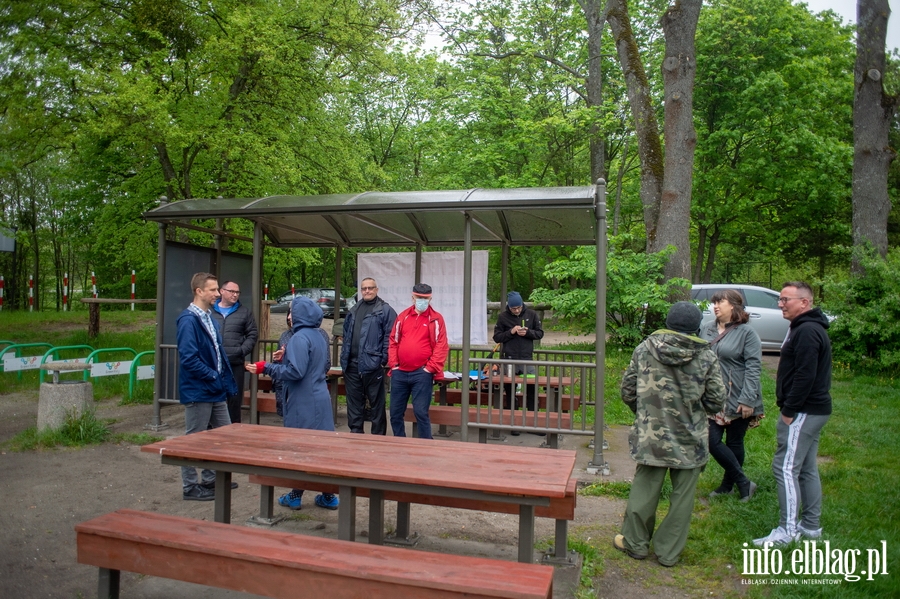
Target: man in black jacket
point(803, 392)
point(239, 335)
point(364, 357)
point(517, 329)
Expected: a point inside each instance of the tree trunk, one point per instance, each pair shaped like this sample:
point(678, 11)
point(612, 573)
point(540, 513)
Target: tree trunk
point(594, 84)
point(873, 112)
point(679, 66)
point(711, 257)
point(645, 125)
point(701, 249)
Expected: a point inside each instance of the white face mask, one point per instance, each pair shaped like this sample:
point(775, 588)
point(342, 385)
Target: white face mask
point(421, 304)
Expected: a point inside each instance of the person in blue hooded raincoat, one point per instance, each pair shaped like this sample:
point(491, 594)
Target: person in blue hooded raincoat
point(302, 370)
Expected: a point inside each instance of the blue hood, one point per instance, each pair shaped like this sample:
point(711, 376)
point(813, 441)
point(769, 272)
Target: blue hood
point(305, 313)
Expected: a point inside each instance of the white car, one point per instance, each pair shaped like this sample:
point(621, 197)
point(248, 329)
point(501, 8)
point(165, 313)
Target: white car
point(762, 305)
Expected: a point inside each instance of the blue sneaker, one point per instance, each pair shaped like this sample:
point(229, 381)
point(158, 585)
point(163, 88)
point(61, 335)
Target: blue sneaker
point(329, 502)
point(289, 500)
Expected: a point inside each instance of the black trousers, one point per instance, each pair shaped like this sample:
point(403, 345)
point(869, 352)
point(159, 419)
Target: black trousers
point(730, 454)
point(363, 388)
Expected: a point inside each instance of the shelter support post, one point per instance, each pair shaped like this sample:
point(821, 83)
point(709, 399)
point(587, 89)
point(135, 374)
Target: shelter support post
point(467, 321)
point(156, 423)
point(598, 463)
point(256, 290)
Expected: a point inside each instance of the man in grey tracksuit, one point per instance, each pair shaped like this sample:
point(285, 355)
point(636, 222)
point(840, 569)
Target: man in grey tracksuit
point(803, 392)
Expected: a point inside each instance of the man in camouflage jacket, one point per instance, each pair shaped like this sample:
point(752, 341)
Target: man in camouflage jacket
point(672, 385)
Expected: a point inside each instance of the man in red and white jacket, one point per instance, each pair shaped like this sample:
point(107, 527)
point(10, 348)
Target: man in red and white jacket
point(417, 351)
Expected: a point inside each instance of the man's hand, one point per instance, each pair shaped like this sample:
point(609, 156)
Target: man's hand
point(786, 420)
point(745, 411)
point(522, 331)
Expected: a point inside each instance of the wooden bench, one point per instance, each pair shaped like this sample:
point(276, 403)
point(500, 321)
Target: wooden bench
point(279, 564)
point(549, 422)
point(570, 403)
point(560, 509)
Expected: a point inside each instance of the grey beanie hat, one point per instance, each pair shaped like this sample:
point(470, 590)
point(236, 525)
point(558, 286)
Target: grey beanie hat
point(684, 317)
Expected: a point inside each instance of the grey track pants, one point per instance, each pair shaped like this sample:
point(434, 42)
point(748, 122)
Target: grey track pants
point(797, 472)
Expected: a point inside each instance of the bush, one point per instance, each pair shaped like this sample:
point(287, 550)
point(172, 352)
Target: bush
point(634, 293)
point(866, 331)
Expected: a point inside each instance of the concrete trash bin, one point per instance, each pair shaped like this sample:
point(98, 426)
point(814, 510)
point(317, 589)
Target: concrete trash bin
point(58, 399)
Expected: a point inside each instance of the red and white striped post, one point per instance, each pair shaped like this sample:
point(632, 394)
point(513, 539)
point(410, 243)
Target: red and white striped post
point(2, 283)
point(65, 291)
point(132, 291)
point(30, 293)
point(93, 284)
point(267, 291)
point(293, 294)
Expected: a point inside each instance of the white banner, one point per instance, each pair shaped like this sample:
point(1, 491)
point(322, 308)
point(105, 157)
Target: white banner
point(110, 368)
point(396, 273)
point(146, 372)
point(12, 363)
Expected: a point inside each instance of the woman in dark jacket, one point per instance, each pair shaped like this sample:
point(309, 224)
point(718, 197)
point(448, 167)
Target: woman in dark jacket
point(307, 403)
point(740, 358)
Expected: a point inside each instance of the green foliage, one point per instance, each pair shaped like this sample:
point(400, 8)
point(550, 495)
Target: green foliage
point(79, 431)
point(866, 331)
point(634, 292)
point(613, 488)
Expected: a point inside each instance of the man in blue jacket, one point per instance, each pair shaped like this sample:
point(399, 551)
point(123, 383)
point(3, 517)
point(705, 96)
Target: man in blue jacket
point(205, 379)
point(364, 356)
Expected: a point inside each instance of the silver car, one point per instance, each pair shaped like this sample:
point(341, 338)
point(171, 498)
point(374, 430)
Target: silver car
point(762, 305)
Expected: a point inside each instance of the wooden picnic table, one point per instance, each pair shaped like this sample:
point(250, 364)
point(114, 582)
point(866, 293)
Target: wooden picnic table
point(524, 476)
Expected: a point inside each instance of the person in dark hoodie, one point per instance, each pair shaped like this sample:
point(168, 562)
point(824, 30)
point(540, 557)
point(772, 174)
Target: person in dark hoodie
point(304, 364)
point(803, 393)
point(517, 329)
point(673, 385)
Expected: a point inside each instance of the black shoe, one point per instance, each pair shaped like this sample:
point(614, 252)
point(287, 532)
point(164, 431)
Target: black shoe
point(748, 491)
point(199, 493)
point(537, 434)
point(515, 433)
point(721, 490)
point(212, 486)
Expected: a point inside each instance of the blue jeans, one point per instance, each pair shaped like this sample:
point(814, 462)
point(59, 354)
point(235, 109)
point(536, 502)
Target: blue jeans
point(199, 416)
point(419, 384)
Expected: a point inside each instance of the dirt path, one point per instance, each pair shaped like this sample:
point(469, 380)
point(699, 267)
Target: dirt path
point(45, 493)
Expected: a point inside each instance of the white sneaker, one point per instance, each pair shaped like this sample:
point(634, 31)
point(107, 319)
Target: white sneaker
point(778, 537)
point(809, 533)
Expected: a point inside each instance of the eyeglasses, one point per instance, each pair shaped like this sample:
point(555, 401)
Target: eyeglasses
point(784, 300)
point(232, 291)
point(368, 288)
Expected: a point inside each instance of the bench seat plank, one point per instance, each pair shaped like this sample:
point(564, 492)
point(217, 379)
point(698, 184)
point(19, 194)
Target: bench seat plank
point(559, 508)
point(452, 416)
point(570, 403)
point(279, 564)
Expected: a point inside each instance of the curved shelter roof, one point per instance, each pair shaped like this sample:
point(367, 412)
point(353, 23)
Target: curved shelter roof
point(525, 216)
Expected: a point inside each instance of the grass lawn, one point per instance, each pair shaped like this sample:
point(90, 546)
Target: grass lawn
point(860, 514)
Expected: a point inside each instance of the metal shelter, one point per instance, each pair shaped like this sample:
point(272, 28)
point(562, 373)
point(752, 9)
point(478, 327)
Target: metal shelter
point(420, 219)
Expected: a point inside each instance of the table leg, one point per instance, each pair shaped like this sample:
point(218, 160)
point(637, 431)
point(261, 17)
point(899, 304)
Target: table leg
point(376, 517)
point(561, 546)
point(223, 497)
point(526, 534)
point(347, 513)
point(402, 520)
point(266, 502)
point(442, 400)
point(108, 585)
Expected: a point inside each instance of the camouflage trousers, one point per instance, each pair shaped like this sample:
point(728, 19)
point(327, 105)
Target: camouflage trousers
point(640, 514)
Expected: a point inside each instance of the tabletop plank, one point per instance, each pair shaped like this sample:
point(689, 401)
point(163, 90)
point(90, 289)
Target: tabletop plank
point(522, 471)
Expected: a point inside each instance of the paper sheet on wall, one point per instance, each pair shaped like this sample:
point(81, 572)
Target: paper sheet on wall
point(395, 274)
